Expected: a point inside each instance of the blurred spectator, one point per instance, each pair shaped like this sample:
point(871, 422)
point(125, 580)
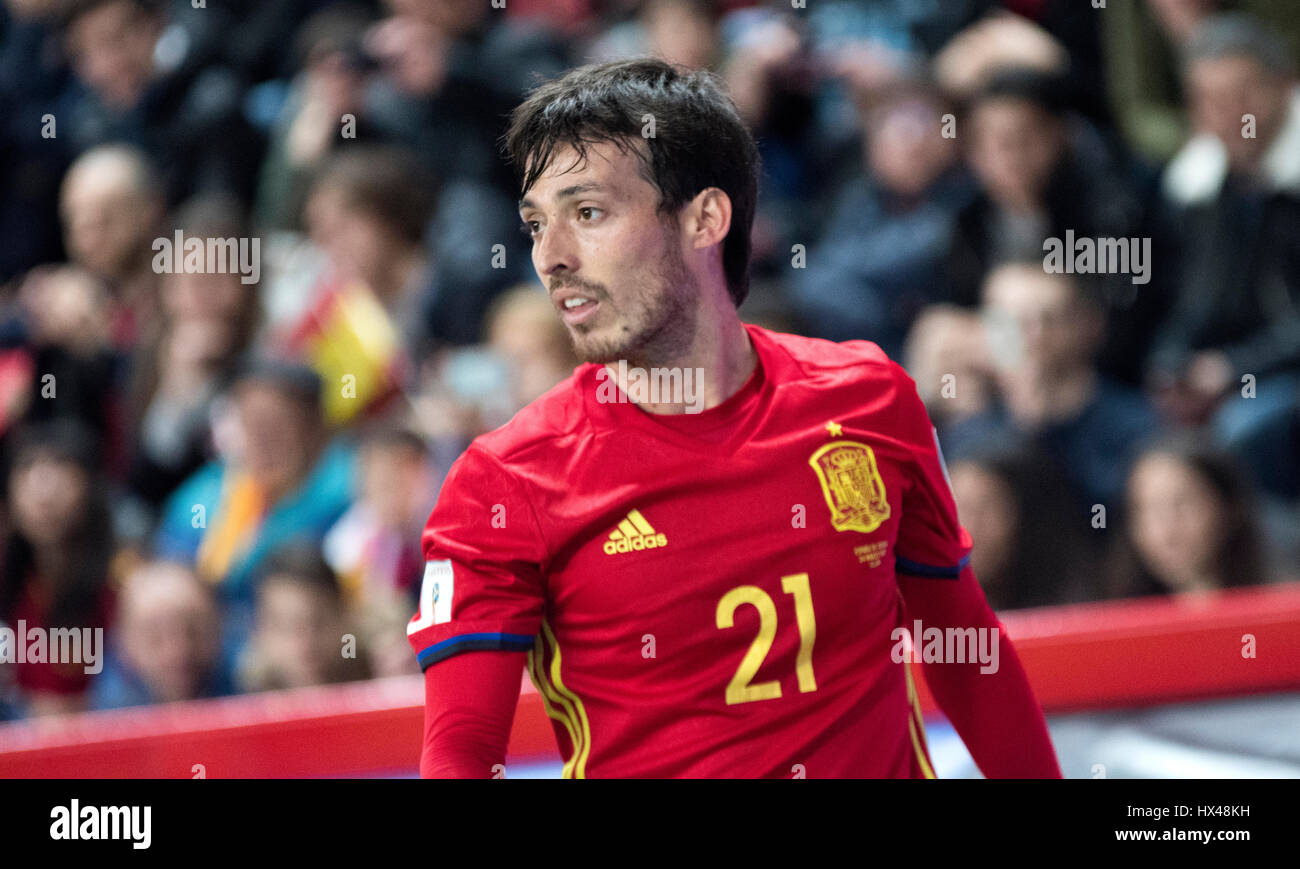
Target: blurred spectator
point(682, 32)
point(503, 53)
point(54, 570)
point(382, 636)
point(880, 256)
point(64, 367)
point(1030, 543)
point(1191, 524)
point(1235, 187)
point(361, 319)
point(1032, 184)
point(32, 73)
point(298, 639)
point(1044, 331)
point(462, 394)
point(112, 211)
point(311, 122)
point(374, 548)
point(1058, 37)
point(279, 477)
point(997, 42)
point(209, 320)
point(522, 329)
point(450, 73)
point(948, 355)
point(367, 211)
point(141, 79)
point(478, 252)
point(779, 84)
point(1145, 40)
point(572, 17)
point(265, 29)
point(167, 644)
point(1042, 177)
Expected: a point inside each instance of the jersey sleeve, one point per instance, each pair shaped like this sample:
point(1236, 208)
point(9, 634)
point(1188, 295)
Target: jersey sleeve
point(931, 542)
point(482, 587)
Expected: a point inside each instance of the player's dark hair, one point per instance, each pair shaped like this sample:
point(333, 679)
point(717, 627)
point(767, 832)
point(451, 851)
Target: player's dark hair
point(699, 139)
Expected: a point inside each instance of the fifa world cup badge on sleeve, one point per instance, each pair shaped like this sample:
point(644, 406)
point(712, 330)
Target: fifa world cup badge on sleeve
point(435, 597)
point(851, 483)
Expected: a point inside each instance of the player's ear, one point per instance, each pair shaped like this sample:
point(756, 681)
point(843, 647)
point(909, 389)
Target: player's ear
point(707, 217)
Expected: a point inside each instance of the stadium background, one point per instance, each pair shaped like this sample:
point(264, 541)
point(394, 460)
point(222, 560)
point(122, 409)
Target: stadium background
point(229, 476)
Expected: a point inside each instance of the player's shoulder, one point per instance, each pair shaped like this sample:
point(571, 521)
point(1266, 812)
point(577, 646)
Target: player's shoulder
point(825, 362)
point(847, 377)
point(548, 425)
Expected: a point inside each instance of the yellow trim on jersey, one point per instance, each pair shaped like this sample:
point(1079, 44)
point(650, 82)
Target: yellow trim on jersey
point(561, 703)
point(550, 701)
point(915, 721)
point(920, 754)
point(583, 749)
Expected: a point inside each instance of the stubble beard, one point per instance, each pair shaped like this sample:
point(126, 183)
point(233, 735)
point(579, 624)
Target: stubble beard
point(658, 324)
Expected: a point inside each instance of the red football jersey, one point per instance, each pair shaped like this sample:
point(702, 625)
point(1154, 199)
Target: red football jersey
point(711, 594)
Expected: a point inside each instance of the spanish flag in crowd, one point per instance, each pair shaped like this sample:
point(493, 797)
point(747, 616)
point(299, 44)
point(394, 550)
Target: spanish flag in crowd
point(349, 339)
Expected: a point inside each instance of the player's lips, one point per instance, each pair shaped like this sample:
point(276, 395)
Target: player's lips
point(575, 306)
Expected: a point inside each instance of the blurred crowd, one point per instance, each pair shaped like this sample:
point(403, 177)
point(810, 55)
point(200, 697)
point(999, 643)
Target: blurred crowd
point(229, 469)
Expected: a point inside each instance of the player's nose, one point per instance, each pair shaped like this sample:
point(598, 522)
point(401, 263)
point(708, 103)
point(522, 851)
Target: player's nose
point(555, 249)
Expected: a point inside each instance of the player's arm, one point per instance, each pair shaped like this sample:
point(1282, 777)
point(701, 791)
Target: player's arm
point(469, 707)
point(481, 603)
point(995, 713)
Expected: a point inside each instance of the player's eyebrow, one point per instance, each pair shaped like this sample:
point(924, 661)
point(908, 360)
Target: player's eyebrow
point(565, 193)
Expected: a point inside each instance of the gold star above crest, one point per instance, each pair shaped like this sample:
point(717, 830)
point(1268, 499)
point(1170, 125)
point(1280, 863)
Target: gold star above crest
point(834, 429)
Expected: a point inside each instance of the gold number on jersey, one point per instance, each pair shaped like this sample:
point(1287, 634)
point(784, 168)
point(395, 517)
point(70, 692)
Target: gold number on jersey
point(739, 689)
point(797, 585)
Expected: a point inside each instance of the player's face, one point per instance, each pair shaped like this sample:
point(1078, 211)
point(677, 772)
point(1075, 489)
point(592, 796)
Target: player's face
point(612, 264)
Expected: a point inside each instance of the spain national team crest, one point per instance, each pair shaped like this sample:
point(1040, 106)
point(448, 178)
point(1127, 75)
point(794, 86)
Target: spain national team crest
point(852, 485)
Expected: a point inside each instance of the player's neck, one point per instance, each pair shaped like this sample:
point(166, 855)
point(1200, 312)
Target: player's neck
point(714, 366)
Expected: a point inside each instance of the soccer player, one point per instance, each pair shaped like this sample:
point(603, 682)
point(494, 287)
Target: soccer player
point(702, 543)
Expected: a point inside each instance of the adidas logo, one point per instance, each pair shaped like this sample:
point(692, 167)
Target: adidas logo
point(634, 534)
